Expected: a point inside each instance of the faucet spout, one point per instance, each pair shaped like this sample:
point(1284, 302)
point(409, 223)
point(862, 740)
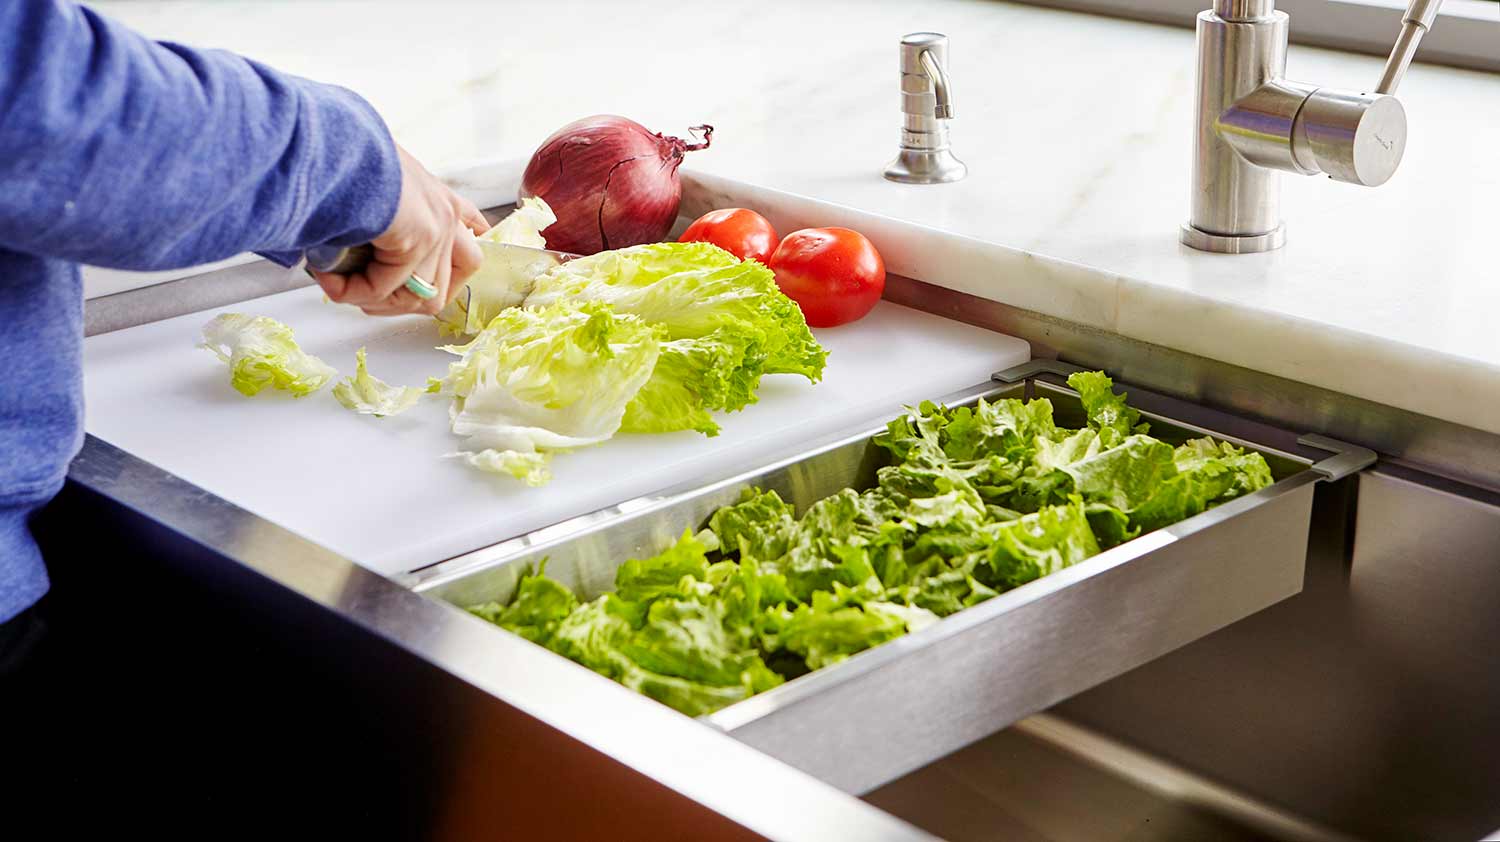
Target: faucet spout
point(1419, 17)
point(943, 108)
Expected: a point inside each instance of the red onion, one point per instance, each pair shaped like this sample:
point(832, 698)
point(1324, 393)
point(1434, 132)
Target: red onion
point(611, 182)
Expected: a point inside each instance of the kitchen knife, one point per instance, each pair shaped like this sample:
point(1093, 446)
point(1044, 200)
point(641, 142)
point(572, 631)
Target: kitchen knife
point(346, 261)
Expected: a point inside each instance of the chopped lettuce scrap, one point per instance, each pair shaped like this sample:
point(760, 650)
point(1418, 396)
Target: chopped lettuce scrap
point(533, 468)
point(372, 396)
point(261, 352)
point(974, 501)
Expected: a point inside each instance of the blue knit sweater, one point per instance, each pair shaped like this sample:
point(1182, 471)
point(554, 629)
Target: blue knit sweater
point(123, 152)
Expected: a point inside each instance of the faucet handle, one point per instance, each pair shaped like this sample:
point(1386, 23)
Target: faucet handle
point(1353, 137)
point(1360, 137)
point(1419, 17)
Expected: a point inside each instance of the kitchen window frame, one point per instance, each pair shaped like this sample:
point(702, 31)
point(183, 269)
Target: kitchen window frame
point(1467, 32)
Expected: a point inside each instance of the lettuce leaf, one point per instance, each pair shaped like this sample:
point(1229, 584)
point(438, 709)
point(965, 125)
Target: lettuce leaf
point(524, 225)
point(1249, 470)
point(1123, 476)
point(694, 290)
point(1142, 479)
point(1207, 473)
point(639, 580)
point(1108, 413)
point(687, 639)
point(505, 278)
point(913, 617)
point(726, 324)
point(720, 324)
point(261, 352)
point(824, 632)
point(546, 380)
point(693, 378)
point(539, 606)
point(371, 396)
point(676, 651)
point(593, 634)
point(1004, 429)
point(1041, 543)
point(759, 525)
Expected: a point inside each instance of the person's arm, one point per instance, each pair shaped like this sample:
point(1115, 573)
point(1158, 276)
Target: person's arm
point(119, 151)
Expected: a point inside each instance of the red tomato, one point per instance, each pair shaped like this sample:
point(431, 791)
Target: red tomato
point(743, 233)
point(835, 274)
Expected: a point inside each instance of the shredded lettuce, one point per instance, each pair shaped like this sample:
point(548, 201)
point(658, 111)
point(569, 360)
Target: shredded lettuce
point(372, 396)
point(261, 352)
point(974, 501)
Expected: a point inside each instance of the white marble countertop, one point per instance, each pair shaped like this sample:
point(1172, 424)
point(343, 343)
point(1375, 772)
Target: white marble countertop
point(1075, 128)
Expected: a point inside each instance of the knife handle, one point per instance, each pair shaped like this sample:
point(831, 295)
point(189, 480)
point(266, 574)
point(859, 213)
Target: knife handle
point(339, 260)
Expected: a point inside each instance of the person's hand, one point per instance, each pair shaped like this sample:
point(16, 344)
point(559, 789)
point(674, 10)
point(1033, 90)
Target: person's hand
point(431, 236)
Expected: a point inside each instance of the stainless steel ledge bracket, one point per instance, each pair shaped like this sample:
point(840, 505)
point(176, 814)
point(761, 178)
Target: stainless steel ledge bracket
point(926, 108)
point(1348, 458)
point(1030, 369)
point(1252, 123)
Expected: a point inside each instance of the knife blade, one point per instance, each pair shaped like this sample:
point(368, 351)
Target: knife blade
point(513, 253)
point(340, 260)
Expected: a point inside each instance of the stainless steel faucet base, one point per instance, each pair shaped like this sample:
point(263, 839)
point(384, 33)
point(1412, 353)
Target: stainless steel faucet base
point(1232, 243)
point(925, 166)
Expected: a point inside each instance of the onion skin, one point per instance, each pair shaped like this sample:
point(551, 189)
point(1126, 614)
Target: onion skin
point(611, 181)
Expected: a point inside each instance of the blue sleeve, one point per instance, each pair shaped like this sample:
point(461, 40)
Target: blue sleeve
point(123, 152)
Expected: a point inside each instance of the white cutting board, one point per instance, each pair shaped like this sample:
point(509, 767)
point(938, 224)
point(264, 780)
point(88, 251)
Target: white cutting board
point(376, 491)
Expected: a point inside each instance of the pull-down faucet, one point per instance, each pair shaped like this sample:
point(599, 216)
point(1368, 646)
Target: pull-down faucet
point(1252, 121)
